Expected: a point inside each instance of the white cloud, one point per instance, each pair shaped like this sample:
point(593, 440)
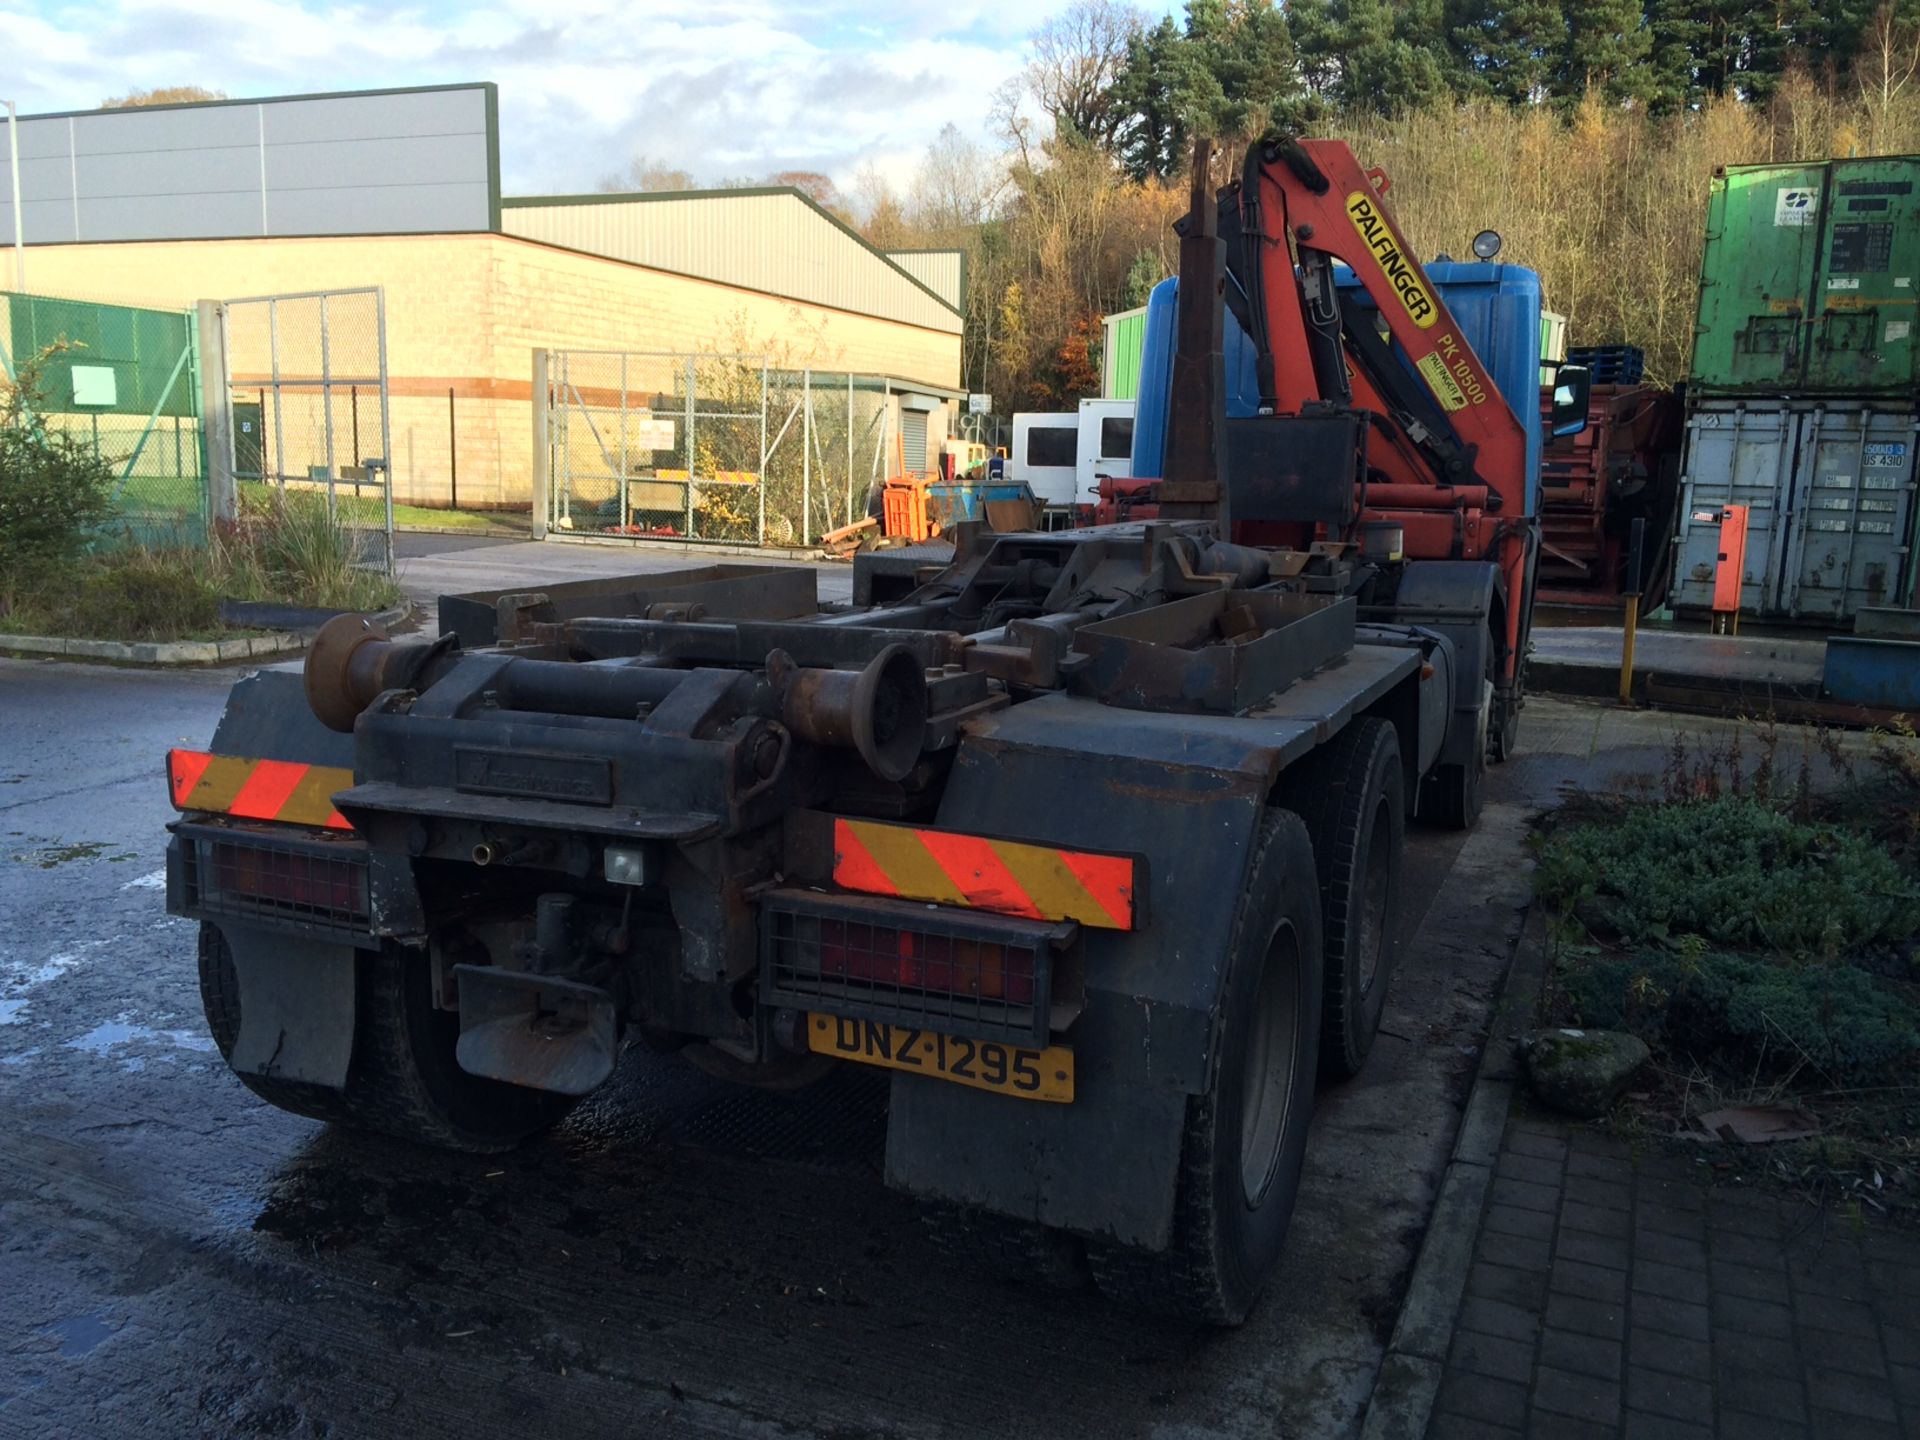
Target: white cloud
point(728, 88)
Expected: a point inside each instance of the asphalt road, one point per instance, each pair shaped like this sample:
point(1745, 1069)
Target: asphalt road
point(680, 1257)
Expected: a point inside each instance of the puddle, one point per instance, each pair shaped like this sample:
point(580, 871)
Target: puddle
point(10, 1011)
point(21, 1058)
point(106, 1037)
point(48, 856)
point(82, 1334)
point(17, 975)
point(156, 881)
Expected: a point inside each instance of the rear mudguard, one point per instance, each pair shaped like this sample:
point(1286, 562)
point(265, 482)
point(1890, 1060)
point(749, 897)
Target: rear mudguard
point(1186, 793)
point(1455, 598)
point(297, 987)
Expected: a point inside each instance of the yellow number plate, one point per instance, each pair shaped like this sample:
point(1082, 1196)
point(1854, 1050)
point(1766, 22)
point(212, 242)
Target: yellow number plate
point(984, 1064)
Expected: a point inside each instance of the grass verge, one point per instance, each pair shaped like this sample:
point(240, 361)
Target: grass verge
point(284, 548)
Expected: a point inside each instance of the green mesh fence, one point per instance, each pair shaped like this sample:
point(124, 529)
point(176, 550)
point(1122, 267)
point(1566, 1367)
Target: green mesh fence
point(127, 381)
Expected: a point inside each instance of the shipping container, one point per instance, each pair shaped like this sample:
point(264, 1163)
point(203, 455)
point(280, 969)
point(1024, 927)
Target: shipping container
point(1829, 490)
point(1807, 280)
point(1120, 358)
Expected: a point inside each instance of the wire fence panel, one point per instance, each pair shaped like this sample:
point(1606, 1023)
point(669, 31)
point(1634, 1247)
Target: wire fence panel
point(718, 448)
point(127, 380)
point(307, 382)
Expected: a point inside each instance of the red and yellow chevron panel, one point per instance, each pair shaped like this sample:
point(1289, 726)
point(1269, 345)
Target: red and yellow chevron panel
point(1035, 882)
point(257, 789)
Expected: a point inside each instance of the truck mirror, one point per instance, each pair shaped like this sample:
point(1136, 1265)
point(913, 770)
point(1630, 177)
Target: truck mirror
point(1571, 388)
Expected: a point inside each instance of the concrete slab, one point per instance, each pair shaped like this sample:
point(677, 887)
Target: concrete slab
point(1680, 654)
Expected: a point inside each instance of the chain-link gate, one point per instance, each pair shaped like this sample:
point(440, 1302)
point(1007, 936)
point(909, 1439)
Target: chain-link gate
point(307, 382)
point(658, 445)
point(711, 447)
point(126, 380)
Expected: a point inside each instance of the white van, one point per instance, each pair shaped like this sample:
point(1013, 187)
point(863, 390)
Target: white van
point(1061, 455)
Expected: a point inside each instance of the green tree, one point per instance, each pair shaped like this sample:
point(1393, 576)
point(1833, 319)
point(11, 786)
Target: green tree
point(1607, 46)
point(1510, 50)
point(1372, 55)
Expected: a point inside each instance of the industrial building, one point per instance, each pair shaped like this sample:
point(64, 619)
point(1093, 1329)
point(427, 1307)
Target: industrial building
point(173, 205)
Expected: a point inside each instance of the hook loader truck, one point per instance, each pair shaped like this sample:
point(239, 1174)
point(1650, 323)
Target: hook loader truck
point(1090, 839)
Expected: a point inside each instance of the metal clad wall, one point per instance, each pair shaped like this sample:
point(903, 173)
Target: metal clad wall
point(1120, 362)
point(941, 271)
point(769, 241)
point(387, 162)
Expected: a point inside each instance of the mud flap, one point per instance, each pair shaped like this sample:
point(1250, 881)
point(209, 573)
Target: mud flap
point(1108, 1164)
point(297, 999)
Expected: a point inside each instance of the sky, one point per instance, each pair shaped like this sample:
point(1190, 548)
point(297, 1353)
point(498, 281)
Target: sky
point(720, 88)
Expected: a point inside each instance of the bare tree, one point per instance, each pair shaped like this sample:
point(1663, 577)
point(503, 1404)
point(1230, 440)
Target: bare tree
point(1075, 58)
point(958, 185)
point(162, 95)
point(1888, 61)
point(647, 175)
point(883, 220)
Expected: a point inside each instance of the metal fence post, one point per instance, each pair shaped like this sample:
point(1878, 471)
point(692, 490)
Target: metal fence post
point(761, 538)
point(216, 413)
point(691, 468)
point(849, 519)
point(386, 415)
point(625, 512)
point(326, 400)
point(539, 471)
point(279, 430)
point(806, 456)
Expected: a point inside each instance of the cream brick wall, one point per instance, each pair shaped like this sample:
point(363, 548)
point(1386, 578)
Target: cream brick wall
point(467, 311)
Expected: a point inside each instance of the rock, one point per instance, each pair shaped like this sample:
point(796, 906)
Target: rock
point(1581, 1072)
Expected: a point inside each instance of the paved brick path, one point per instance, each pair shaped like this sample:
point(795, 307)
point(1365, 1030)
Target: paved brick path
point(1616, 1294)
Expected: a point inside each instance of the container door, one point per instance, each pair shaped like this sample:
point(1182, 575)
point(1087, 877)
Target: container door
point(1756, 276)
point(1852, 514)
point(1863, 314)
point(1735, 456)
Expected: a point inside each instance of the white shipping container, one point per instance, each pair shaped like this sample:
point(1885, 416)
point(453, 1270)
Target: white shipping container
point(1829, 490)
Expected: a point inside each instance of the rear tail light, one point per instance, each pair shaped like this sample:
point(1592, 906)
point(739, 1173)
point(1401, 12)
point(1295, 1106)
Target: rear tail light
point(918, 960)
point(962, 972)
point(304, 881)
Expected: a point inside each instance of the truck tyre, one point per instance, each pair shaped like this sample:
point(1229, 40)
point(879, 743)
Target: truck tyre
point(1451, 795)
point(1352, 796)
point(403, 1080)
point(1246, 1136)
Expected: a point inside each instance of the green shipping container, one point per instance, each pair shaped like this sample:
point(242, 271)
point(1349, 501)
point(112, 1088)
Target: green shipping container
point(1120, 360)
point(1808, 280)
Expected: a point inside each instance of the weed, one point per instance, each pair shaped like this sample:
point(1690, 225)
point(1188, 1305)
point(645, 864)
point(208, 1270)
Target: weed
point(285, 548)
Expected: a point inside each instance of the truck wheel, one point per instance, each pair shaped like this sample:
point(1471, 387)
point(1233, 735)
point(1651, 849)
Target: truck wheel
point(1451, 795)
point(1246, 1136)
point(403, 1080)
point(1352, 797)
